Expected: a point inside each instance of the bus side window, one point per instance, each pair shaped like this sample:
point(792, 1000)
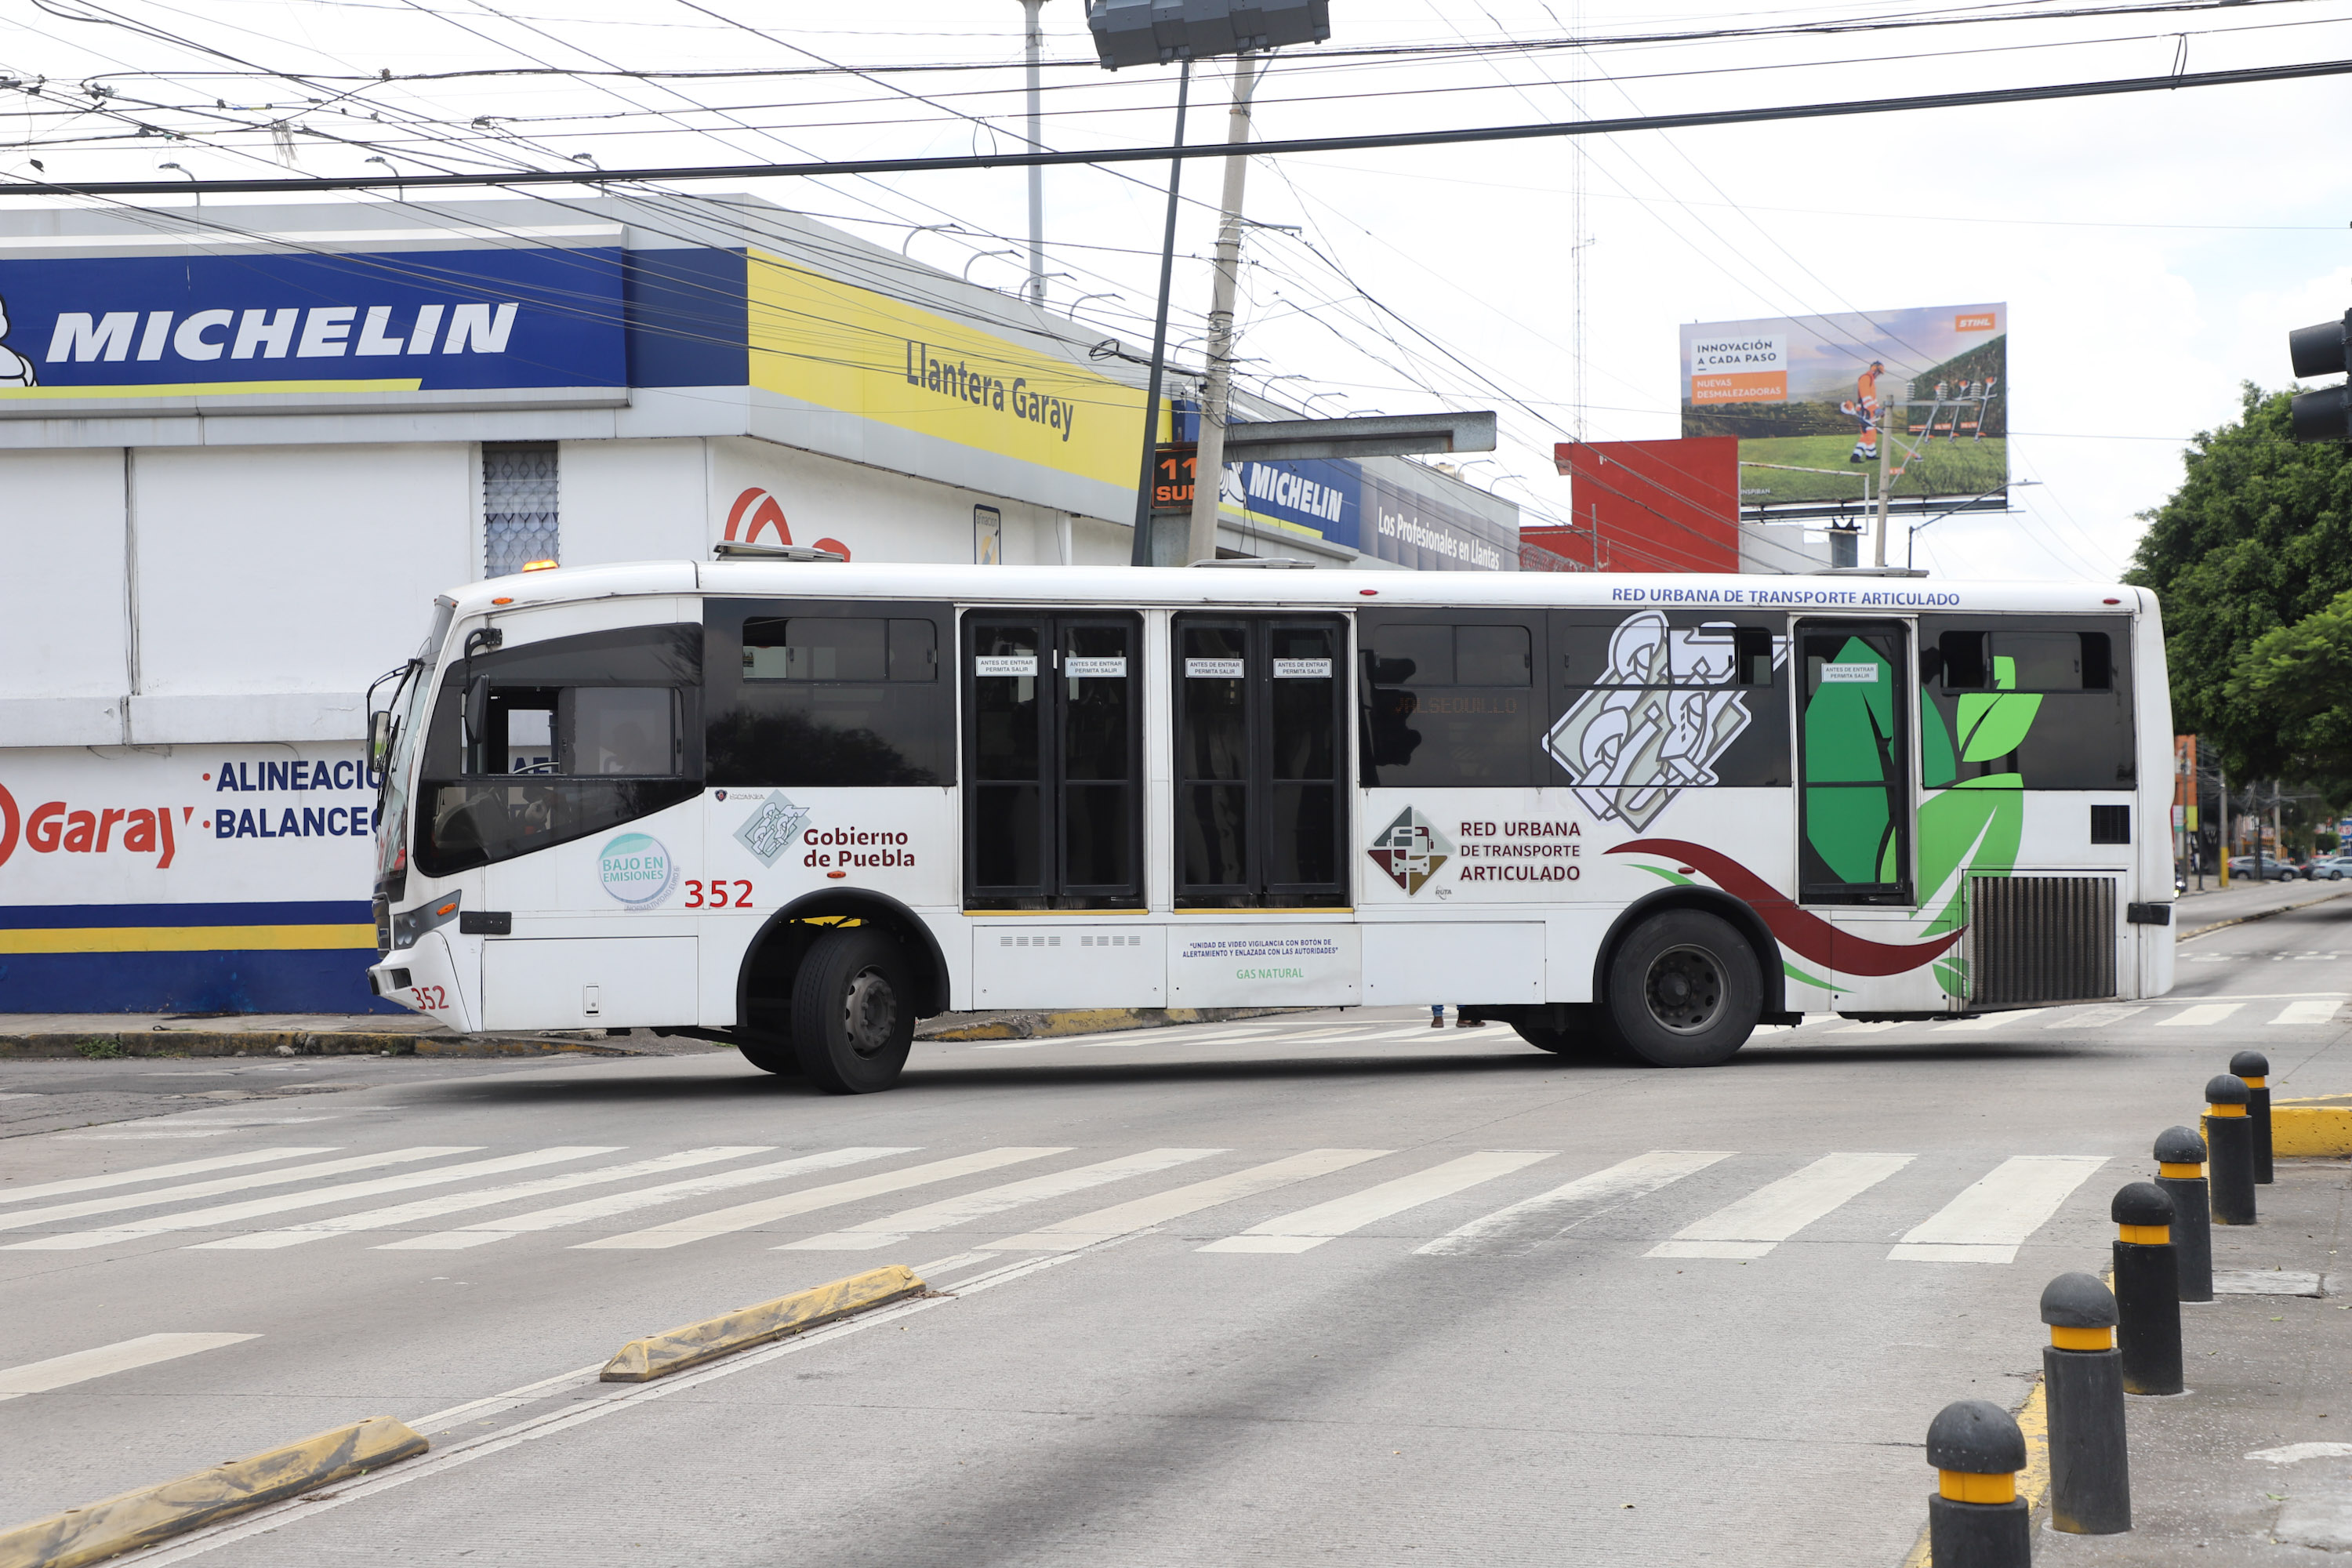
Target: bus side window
point(815, 693)
point(2043, 699)
point(1707, 687)
point(1447, 702)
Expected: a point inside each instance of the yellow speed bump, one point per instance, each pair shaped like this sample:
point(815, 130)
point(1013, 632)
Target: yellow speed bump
point(658, 1355)
point(2312, 1129)
point(141, 1518)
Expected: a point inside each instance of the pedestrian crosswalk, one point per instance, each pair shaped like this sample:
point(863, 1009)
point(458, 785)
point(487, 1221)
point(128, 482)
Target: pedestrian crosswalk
point(1688, 1205)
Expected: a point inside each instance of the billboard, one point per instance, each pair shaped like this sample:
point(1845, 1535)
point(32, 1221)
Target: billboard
point(1810, 398)
point(223, 332)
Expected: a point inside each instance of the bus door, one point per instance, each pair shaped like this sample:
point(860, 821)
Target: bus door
point(1260, 775)
point(1854, 767)
point(1856, 793)
point(1054, 760)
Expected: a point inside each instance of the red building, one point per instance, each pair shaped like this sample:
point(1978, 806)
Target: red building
point(1648, 506)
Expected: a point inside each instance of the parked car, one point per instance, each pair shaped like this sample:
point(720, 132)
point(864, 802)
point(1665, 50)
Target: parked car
point(2265, 867)
point(2330, 868)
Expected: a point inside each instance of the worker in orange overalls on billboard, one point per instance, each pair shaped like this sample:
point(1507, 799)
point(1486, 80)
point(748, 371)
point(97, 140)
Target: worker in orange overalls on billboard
point(1864, 407)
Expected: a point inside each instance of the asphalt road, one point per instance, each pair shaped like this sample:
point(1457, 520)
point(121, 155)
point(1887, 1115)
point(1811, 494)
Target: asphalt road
point(1328, 1288)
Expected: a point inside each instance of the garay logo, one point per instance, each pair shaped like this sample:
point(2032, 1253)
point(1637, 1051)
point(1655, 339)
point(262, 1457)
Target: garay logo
point(757, 509)
point(54, 826)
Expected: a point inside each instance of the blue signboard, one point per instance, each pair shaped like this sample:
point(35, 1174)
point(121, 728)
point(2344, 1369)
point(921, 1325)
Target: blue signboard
point(426, 320)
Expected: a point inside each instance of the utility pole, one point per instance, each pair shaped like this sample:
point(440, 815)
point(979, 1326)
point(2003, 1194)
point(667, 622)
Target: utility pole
point(1036, 43)
point(1142, 553)
point(2222, 789)
point(1209, 460)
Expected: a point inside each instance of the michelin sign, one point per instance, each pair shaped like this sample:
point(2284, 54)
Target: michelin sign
point(266, 328)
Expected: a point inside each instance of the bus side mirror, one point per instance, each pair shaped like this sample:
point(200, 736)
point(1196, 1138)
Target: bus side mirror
point(477, 710)
point(379, 737)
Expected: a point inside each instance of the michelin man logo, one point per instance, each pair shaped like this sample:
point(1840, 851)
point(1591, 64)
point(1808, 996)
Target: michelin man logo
point(15, 370)
point(1659, 720)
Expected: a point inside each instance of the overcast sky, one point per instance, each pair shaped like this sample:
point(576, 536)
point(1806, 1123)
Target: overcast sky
point(2153, 250)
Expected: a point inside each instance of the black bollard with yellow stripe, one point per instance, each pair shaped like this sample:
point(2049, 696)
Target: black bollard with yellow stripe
point(2229, 1149)
point(2253, 1069)
point(2180, 1171)
point(2147, 1290)
point(2082, 1374)
point(1976, 1520)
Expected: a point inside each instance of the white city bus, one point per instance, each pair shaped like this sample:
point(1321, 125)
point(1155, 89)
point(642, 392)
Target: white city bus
point(798, 804)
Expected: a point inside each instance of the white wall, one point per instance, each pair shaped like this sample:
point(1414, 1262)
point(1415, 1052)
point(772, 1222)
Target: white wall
point(64, 663)
point(298, 572)
point(632, 500)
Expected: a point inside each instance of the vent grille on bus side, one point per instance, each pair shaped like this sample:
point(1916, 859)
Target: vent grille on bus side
point(2041, 939)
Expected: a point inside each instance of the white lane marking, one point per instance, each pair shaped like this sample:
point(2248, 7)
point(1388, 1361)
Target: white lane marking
point(1773, 1213)
point(455, 1202)
point(2295, 1453)
point(2090, 1017)
point(2315, 1011)
point(1981, 1024)
point(606, 1399)
point(927, 1272)
point(22, 1096)
point(614, 1203)
point(1991, 1220)
point(220, 1184)
point(2201, 1015)
point(63, 1372)
point(948, 1213)
point(1311, 1228)
point(155, 1172)
point(744, 1216)
point(252, 1209)
point(1879, 1027)
point(1521, 1226)
point(1159, 1208)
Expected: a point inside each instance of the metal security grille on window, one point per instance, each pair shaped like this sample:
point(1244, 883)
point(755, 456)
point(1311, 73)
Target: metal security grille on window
point(519, 507)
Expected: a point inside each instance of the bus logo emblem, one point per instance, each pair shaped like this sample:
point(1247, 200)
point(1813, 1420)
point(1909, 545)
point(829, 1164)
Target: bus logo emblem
point(1411, 849)
point(636, 869)
point(770, 831)
point(1658, 721)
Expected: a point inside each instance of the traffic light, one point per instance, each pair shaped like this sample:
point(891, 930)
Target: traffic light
point(2323, 349)
point(1158, 32)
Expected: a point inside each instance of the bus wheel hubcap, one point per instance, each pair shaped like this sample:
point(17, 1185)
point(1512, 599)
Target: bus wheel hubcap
point(1686, 989)
point(870, 1012)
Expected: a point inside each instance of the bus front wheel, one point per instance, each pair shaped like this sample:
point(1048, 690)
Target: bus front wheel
point(852, 1020)
point(1684, 991)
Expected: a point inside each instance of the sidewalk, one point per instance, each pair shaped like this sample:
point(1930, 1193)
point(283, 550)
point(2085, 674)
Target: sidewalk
point(2198, 911)
point(2253, 1465)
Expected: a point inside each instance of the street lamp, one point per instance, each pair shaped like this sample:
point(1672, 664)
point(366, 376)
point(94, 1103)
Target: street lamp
point(192, 179)
point(1158, 32)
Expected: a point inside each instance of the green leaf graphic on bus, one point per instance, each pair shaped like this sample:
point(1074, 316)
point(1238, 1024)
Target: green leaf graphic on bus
point(1993, 723)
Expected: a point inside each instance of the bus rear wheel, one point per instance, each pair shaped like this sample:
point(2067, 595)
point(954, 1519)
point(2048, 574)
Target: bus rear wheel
point(852, 1018)
point(1684, 991)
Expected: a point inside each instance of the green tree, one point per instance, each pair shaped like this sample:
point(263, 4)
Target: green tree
point(2256, 541)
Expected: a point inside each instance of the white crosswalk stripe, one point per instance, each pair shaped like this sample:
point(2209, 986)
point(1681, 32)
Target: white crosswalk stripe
point(2201, 1016)
point(1159, 1208)
point(153, 1173)
point(1521, 1226)
point(1989, 1221)
point(2091, 1017)
point(1763, 1219)
point(1311, 1228)
point(229, 1214)
point(1983, 1022)
point(2312, 1010)
point(744, 1216)
point(1879, 1027)
point(950, 1213)
point(615, 1204)
point(127, 1355)
point(456, 1203)
point(159, 1196)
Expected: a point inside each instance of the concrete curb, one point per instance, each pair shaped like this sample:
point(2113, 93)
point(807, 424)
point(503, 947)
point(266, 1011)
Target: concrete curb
point(1091, 1021)
point(2260, 914)
point(101, 1044)
point(658, 1355)
point(2312, 1129)
point(141, 1518)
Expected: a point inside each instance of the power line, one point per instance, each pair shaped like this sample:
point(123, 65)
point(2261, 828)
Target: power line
point(1983, 97)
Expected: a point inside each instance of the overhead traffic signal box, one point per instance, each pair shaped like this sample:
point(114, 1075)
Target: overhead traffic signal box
point(2323, 350)
point(1158, 32)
